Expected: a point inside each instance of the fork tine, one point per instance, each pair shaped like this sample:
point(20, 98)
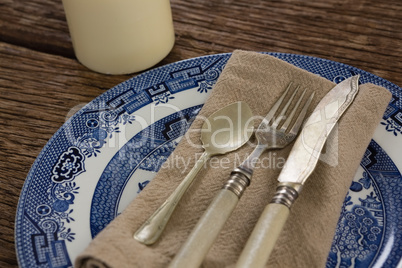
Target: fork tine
point(274, 108)
point(290, 117)
point(300, 118)
point(284, 109)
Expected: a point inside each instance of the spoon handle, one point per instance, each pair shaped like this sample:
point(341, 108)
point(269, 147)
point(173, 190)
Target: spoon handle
point(152, 229)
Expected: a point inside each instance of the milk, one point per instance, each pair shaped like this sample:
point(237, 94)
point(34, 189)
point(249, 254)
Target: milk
point(120, 36)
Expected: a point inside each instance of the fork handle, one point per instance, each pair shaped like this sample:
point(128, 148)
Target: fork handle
point(197, 245)
point(200, 240)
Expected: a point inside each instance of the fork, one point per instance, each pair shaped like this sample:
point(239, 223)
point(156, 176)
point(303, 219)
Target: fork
point(271, 134)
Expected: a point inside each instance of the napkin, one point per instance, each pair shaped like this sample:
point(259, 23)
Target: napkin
point(259, 80)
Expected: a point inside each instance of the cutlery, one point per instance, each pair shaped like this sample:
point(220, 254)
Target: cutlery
point(224, 131)
point(298, 167)
point(270, 135)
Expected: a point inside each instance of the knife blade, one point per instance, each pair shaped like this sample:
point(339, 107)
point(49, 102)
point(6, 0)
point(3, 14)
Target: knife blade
point(300, 164)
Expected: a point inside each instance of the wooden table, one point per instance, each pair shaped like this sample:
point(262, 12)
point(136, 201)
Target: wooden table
point(41, 83)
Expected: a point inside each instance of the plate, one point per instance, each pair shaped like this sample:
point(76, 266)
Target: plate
point(105, 154)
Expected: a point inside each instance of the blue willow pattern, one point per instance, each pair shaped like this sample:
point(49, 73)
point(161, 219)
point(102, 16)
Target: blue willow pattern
point(42, 222)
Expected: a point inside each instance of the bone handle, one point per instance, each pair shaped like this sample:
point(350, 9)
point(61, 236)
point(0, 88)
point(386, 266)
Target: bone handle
point(262, 239)
point(205, 232)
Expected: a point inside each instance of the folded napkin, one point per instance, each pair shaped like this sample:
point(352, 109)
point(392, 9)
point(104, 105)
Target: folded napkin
point(259, 80)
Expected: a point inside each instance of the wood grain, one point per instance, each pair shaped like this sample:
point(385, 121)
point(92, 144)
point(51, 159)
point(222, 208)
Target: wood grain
point(363, 33)
point(41, 83)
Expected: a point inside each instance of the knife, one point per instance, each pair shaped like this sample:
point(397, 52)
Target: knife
point(298, 167)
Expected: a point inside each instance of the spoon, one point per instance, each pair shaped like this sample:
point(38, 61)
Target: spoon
point(224, 131)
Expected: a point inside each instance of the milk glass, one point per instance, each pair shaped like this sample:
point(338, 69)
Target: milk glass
point(120, 36)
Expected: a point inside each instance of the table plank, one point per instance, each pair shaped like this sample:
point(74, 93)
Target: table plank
point(364, 33)
point(35, 24)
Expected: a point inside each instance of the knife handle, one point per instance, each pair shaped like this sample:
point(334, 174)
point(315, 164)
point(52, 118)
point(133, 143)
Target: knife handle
point(197, 245)
point(268, 228)
point(262, 240)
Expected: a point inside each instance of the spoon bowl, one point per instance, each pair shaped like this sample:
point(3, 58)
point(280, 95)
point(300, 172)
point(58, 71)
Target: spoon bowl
point(223, 131)
point(227, 129)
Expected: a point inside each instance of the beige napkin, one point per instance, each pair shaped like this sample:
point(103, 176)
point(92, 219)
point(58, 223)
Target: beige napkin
point(306, 239)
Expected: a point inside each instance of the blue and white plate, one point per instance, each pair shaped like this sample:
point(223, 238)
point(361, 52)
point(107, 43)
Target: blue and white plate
point(107, 152)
